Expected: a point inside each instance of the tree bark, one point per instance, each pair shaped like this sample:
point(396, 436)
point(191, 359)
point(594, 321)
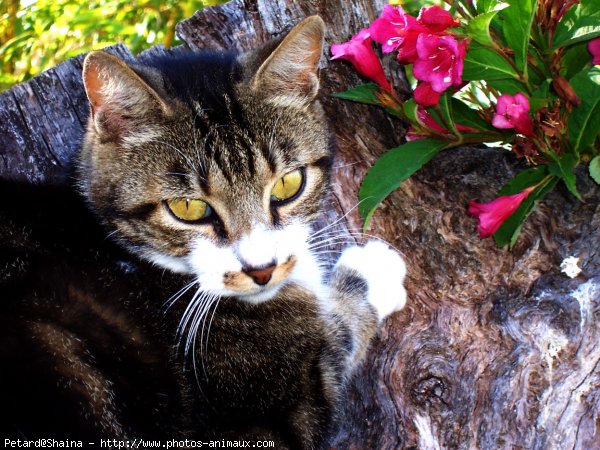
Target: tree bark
point(495, 349)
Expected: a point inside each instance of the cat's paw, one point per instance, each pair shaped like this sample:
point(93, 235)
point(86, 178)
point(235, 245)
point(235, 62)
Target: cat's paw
point(384, 270)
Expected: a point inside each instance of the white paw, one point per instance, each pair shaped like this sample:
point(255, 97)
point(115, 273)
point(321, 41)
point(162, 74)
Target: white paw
point(384, 271)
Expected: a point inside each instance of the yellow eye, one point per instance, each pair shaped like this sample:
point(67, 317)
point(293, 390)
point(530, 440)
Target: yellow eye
point(189, 210)
point(287, 186)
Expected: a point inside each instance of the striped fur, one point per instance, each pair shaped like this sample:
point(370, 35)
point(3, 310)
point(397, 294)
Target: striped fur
point(262, 360)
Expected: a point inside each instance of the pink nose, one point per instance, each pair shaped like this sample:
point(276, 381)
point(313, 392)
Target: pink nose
point(261, 276)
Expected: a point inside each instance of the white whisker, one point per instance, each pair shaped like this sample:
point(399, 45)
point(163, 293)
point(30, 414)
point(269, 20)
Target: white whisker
point(186, 157)
point(171, 301)
point(318, 232)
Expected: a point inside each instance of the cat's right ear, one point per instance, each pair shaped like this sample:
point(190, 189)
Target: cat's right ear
point(290, 74)
point(120, 100)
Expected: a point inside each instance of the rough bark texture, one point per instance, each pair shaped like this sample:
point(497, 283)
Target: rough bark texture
point(494, 349)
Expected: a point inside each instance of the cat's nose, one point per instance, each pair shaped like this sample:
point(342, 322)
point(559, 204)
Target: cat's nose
point(260, 275)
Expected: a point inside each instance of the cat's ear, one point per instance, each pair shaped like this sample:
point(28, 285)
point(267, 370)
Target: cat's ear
point(290, 73)
point(121, 100)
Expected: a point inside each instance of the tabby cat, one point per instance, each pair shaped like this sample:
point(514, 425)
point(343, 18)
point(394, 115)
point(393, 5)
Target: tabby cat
point(207, 312)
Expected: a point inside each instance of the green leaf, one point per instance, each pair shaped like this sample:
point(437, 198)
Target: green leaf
point(484, 6)
point(584, 120)
point(574, 60)
point(595, 168)
point(563, 168)
point(517, 20)
point(508, 86)
point(365, 93)
point(580, 23)
point(482, 63)
point(478, 29)
point(542, 91)
point(445, 108)
point(536, 104)
point(410, 109)
point(508, 232)
point(468, 117)
point(391, 169)
point(524, 179)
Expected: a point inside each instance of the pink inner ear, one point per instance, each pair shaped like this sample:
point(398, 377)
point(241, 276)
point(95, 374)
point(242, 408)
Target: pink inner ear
point(106, 119)
point(93, 86)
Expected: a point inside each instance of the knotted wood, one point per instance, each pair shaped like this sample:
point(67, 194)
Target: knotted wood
point(495, 349)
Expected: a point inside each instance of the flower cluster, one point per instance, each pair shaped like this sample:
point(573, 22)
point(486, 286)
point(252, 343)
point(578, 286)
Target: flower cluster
point(436, 55)
point(501, 72)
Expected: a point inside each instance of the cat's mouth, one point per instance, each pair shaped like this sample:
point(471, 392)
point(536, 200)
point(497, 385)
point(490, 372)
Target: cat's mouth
point(257, 286)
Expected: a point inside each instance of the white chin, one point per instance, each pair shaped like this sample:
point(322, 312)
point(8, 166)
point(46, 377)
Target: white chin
point(259, 297)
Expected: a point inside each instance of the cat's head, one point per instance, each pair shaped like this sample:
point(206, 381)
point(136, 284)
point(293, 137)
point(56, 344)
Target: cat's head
point(212, 164)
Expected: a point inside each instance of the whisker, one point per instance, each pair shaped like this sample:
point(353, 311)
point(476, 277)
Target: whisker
point(273, 131)
point(112, 233)
point(186, 157)
point(346, 165)
point(171, 301)
point(177, 174)
point(192, 334)
point(212, 299)
point(338, 220)
point(187, 314)
point(195, 317)
point(217, 301)
point(359, 234)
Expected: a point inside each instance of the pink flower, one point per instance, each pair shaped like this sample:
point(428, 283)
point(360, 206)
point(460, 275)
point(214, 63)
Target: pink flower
point(425, 96)
point(512, 112)
point(493, 214)
point(360, 53)
point(594, 49)
point(395, 30)
point(436, 19)
point(440, 61)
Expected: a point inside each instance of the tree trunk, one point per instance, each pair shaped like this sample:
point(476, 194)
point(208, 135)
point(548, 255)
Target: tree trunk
point(495, 349)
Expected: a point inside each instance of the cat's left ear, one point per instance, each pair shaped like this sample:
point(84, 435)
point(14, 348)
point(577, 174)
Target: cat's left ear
point(121, 101)
point(290, 74)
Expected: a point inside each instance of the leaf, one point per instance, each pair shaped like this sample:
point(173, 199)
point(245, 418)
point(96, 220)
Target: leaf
point(391, 170)
point(410, 109)
point(536, 104)
point(584, 120)
point(542, 91)
point(468, 117)
point(517, 20)
point(595, 169)
point(365, 93)
point(508, 86)
point(574, 60)
point(563, 168)
point(445, 108)
point(484, 6)
point(580, 23)
point(478, 29)
point(482, 63)
point(508, 233)
point(524, 179)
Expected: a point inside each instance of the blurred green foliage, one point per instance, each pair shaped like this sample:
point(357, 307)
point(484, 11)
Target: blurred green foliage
point(38, 34)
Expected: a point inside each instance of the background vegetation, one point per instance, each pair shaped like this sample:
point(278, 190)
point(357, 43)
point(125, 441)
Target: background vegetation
point(38, 34)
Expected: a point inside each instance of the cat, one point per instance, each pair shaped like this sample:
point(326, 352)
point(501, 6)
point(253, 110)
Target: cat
point(206, 312)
